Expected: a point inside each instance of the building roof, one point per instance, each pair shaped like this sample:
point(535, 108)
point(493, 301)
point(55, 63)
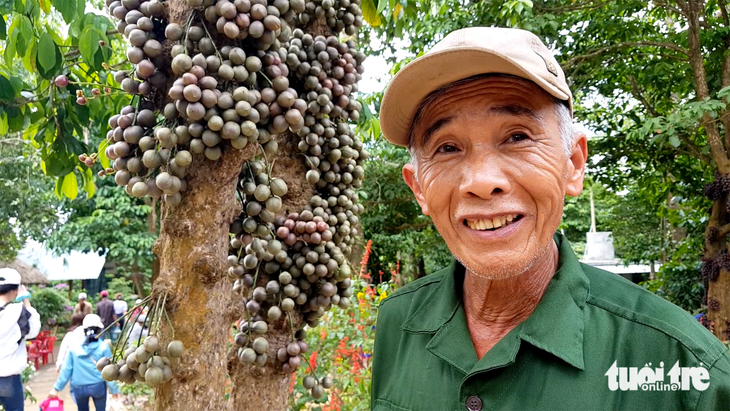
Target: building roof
point(28, 273)
point(617, 267)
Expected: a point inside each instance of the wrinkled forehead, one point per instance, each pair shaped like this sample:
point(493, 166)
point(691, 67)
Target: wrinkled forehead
point(487, 93)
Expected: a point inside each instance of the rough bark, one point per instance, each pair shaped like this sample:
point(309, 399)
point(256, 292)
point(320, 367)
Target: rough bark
point(696, 61)
point(192, 249)
point(718, 289)
point(261, 388)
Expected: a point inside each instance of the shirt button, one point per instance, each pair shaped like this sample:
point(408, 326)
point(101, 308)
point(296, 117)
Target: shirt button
point(473, 403)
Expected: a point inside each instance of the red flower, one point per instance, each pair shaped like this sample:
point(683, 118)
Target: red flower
point(312, 362)
point(365, 257)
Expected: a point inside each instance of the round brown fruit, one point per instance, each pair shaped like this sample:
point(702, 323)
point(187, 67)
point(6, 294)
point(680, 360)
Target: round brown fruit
point(175, 349)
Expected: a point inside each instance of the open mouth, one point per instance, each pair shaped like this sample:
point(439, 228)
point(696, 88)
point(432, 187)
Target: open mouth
point(492, 224)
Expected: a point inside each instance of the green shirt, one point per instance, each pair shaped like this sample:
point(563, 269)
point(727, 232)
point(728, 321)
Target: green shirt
point(561, 358)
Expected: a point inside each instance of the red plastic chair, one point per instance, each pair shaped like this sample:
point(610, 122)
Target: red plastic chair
point(34, 354)
point(43, 335)
point(47, 348)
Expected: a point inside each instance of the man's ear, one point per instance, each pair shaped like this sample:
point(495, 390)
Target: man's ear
point(409, 176)
point(576, 166)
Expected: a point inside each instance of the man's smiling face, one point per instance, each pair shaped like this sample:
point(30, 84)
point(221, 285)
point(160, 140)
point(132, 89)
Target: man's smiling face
point(492, 172)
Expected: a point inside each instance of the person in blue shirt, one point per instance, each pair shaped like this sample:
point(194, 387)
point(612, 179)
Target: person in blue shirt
point(80, 368)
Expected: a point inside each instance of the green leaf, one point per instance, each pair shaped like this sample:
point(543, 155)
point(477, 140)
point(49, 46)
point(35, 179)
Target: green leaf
point(59, 186)
point(30, 58)
point(89, 186)
point(674, 141)
point(49, 74)
point(45, 5)
point(370, 13)
point(47, 53)
point(3, 124)
point(375, 124)
point(9, 53)
point(70, 187)
point(67, 8)
point(3, 28)
point(7, 93)
point(6, 6)
point(89, 44)
point(103, 159)
point(25, 36)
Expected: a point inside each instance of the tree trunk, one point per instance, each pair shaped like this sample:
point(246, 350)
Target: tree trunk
point(255, 388)
point(421, 272)
point(717, 277)
point(192, 249)
point(137, 281)
point(718, 292)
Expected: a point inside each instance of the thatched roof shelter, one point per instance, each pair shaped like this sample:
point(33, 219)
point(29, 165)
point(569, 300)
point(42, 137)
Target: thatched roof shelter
point(28, 273)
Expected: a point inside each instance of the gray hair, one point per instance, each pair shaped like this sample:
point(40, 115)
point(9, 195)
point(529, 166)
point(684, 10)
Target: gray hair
point(565, 120)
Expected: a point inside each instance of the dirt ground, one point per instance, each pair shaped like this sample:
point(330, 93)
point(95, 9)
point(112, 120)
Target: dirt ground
point(42, 382)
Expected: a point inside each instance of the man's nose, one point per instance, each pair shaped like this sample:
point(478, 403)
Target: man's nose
point(484, 177)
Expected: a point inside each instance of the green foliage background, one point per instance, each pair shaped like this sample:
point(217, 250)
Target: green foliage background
point(51, 304)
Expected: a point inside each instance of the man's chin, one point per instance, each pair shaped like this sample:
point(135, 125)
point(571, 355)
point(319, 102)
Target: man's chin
point(501, 267)
point(502, 271)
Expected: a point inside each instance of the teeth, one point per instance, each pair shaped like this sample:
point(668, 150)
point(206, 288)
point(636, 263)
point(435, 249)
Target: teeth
point(491, 223)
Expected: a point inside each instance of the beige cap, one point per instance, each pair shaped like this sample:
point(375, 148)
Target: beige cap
point(462, 54)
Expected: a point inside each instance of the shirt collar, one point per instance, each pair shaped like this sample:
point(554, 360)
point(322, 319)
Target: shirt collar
point(555, 326)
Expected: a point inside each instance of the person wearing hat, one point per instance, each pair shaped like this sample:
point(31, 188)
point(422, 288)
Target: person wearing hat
point(18, 321)
point(80, 368)
point(516, 322)
point(83, 307)
point(139, 331)
point(120, 310)
point(105, 309)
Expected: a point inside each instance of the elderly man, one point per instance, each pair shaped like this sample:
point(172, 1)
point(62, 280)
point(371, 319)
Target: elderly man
point(516, 322)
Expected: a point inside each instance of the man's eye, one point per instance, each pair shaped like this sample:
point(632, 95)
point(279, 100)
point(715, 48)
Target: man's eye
point(518, 137)
point(447, 148)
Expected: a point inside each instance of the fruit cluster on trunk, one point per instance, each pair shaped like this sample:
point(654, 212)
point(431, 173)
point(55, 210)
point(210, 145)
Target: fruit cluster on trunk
point(224, 90)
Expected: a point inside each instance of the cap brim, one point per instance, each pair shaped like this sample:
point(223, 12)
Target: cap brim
point(421, 77)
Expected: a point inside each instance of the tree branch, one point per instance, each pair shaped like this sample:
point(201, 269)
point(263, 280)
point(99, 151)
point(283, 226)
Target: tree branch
point(723, 231)
point(11, 159)
point(725, 69)
point(586, 5)
point(415, 226)
point(636, 92)
point(693, 151)
point(13, 141)
point(602, 50)
point(683, 6)
point(670, 7)
point(696, 61)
